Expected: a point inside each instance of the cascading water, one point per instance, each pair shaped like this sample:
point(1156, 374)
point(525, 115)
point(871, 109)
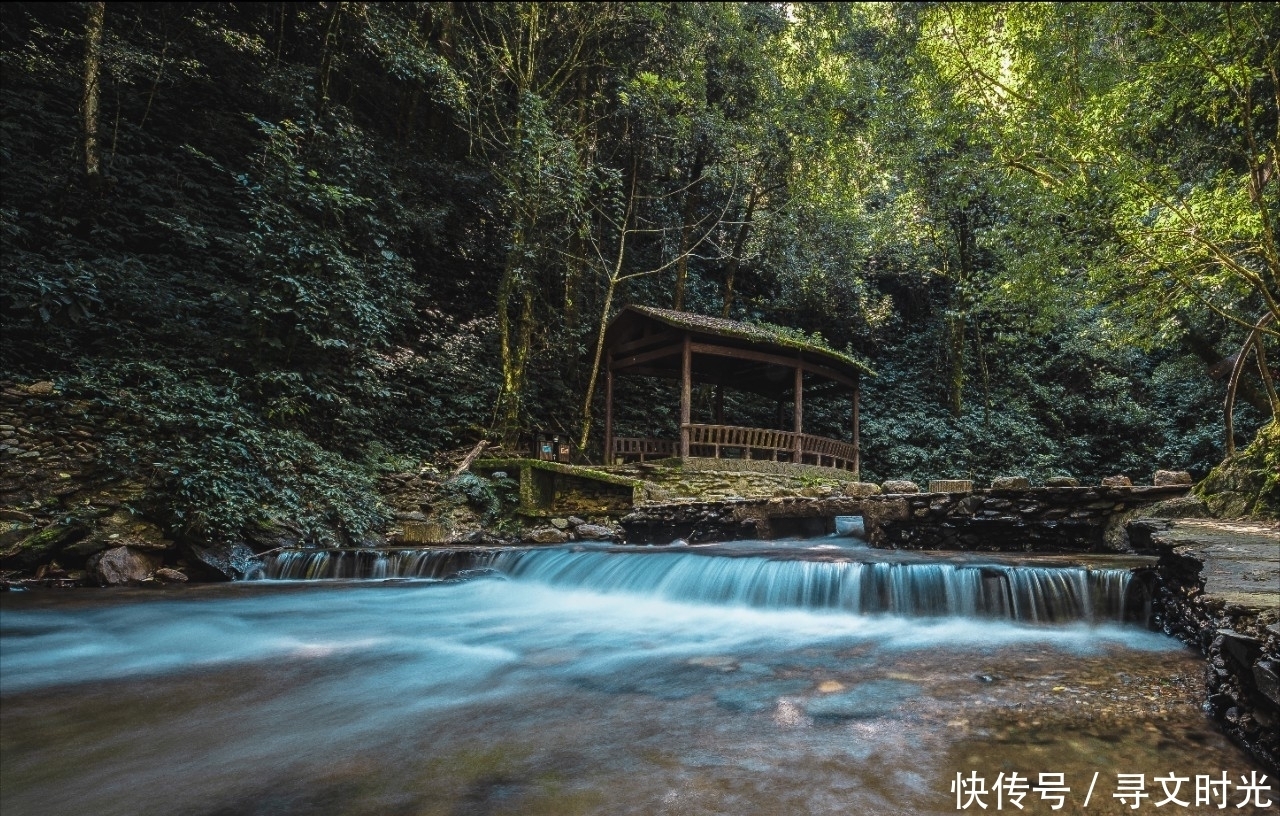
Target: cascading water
point(739, 678)
point(1031, 594)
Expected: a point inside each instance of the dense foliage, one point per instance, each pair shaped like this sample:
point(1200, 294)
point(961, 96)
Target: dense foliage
point(299, 240)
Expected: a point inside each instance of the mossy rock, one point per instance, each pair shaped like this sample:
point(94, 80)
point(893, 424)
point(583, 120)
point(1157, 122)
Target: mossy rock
point(41, 546)
point(1247, 484)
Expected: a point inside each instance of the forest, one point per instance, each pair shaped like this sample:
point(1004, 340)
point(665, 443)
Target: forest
point(296, 245)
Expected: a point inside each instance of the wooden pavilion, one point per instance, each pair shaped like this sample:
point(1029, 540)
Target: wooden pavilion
point(691, 348)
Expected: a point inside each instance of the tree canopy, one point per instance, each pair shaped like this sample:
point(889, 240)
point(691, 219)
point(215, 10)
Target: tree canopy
point(299, 240)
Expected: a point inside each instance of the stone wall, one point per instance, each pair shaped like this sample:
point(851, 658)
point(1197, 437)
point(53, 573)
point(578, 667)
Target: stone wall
point(1240, 640)
point(62, 520)
point(1037, 518)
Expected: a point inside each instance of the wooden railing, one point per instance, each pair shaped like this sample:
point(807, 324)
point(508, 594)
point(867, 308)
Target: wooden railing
point(638, 447)
point(732, 442)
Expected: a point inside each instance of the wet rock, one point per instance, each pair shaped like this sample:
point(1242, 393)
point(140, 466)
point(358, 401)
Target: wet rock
point(1062, 481)
point(223, 562)
point(165, 575)
point(900, 486)
point(1266, 673)
point(121, 566)
point(475, 574)
point(1117, 481)
point(546, 535)
point(10, 514)
point(595, 532)
point(1180, 507)
point(560, 524)
point(574, 521)
point(1164, 478)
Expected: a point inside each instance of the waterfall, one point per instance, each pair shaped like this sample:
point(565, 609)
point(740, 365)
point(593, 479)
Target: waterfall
point(1024, 593)
point(310, 565)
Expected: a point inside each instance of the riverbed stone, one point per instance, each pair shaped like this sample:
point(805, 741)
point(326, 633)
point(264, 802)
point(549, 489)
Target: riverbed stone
point(1117, 481)
point(122, 566)
point(1164, 478)
point(166, 575)
point(900, 486)
point(223, 561)
point(594, 532)
point(546, 535)
point(560, 523)
point(876, 698)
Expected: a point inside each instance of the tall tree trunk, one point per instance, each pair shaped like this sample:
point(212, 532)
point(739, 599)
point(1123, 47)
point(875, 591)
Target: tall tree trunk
point(686, 229)
point(94, 24)
point(739, 242)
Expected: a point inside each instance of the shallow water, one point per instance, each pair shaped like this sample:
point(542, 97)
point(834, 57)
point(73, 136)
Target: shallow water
point(520, 696)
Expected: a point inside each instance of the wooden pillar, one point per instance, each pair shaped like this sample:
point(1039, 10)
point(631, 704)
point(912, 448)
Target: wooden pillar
point(798, 456)
point(686, 395)
point(608, 412)
point(856, 465)
point(719, 404)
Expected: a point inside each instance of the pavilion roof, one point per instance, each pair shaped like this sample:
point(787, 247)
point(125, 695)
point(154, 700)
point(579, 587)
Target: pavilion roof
point(631, 318)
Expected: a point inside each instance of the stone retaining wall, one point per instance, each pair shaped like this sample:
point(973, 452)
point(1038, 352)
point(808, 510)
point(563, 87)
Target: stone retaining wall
point(1071, 519)
point(1037, 518)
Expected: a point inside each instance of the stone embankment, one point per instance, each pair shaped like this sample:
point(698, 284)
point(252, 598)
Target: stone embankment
point(1012, 519)
point(1220, 593)
point(61, 519)
point(1072, 519)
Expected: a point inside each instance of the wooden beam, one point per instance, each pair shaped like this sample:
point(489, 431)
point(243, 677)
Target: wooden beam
point(645, 342)
point(773, 359)
point(686, 395)
point(656, 354)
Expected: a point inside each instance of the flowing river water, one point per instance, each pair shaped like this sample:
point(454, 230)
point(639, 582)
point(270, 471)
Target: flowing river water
point(756, 678)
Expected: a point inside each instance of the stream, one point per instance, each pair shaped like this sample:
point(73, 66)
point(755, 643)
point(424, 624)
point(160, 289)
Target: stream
point(753, 678)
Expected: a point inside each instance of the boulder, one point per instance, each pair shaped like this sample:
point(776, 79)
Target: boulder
point(560, 524)
point(899, 486)
point(1117, 481)
point(122, 566)
point(574, 521)
point(546, 535)
point(1062, 481)
point(223, 562)
point(170, 576)
point(1010, 483)
point(595, 532)
point(1168, 478)
point(860, 490)
point(425, 532)
point(268, 534)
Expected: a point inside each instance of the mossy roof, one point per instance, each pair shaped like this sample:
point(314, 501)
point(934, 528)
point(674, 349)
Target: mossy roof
point(750, 333)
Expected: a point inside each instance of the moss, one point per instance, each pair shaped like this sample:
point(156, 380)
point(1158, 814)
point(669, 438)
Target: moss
point(1247, 484)
point(757, 333)
point(41, 546)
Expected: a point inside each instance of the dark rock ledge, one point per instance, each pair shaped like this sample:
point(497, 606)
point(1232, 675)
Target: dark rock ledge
point(1220, 592)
